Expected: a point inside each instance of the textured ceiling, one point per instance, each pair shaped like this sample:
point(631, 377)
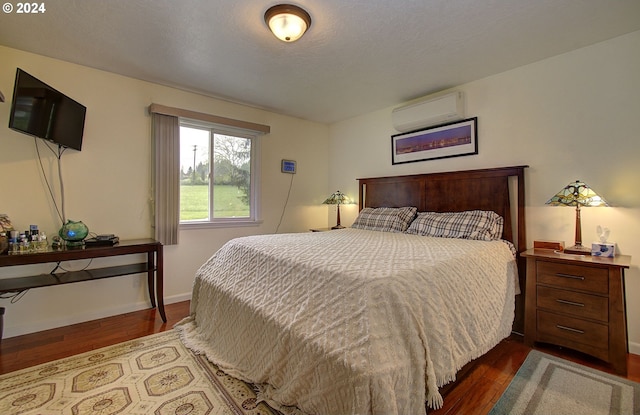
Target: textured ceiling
point(358, 56)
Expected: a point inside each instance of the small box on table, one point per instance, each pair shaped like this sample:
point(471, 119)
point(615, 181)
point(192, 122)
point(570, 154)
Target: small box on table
point(605, 250)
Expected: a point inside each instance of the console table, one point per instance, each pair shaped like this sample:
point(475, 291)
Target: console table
point(153, 267)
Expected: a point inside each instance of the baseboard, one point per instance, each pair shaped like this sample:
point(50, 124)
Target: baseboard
point(178, 298)
point(81, 318)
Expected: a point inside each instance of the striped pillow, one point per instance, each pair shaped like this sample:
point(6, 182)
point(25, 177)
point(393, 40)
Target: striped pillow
point(473, 224)
point(385, 219)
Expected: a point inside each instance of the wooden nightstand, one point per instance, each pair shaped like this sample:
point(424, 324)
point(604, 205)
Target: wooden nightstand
point(577, 302)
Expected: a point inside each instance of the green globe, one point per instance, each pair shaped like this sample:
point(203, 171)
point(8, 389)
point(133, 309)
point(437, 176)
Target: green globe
point(74, 233)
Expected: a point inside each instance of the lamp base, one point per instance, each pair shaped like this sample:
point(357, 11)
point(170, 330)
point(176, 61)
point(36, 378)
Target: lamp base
point(578, 250)
point(342, 227)
point(73, 244)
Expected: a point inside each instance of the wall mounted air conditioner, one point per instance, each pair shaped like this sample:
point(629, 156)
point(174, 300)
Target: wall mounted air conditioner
point(433, 111)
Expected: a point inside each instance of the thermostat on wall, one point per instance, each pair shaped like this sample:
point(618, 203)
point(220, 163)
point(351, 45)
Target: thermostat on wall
point(289, 166)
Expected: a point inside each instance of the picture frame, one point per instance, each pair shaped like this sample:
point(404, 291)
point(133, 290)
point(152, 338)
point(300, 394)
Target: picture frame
point(455, 139)
point(5, 223)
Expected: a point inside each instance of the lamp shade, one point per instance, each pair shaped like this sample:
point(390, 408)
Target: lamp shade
point(337, 198)
point(287, 22)
point(577, 194)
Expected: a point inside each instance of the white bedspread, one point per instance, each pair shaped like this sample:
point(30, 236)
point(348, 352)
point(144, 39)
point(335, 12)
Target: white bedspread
point(351, 321)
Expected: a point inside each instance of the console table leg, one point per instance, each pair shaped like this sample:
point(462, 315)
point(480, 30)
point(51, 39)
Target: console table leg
point(150, 277)
point(159, 282)
point(1, 322)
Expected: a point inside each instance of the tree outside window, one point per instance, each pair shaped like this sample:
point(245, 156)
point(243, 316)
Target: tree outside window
point(222, 190)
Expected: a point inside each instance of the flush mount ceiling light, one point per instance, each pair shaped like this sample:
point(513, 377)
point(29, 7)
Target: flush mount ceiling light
point(287, 22)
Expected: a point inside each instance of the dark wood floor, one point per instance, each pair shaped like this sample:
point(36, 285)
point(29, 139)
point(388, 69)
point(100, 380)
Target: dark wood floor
point(33, 349)
point(475, 393)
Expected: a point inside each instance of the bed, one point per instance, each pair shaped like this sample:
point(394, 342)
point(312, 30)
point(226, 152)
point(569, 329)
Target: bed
point(371, 319)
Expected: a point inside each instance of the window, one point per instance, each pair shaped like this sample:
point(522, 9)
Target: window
point(218, 175)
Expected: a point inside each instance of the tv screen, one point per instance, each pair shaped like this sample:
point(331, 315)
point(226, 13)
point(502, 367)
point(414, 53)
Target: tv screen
point(39, 110)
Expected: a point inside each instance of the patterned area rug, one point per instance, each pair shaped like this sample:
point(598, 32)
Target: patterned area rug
point(150, 375)
point(548, 385)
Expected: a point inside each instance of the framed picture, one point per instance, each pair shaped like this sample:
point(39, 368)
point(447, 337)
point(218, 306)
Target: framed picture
point(455, 139)
point(5, 223)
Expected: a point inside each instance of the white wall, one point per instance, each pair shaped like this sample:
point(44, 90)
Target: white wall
point(574, 116)
point(107, 186)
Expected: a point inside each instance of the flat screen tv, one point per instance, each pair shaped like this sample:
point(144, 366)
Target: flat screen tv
point(41, 111)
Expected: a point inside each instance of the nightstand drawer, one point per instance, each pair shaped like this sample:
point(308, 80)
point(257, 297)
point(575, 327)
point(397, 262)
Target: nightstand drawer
point(573, 330)
point(574, 303)
point(573, 277)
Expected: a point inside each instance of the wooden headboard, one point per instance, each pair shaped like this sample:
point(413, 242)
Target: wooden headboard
point(486, 189)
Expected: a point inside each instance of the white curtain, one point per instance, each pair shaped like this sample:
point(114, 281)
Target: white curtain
point(166, 177)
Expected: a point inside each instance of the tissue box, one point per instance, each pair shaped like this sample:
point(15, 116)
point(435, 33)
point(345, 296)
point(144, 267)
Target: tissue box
point(606, 250)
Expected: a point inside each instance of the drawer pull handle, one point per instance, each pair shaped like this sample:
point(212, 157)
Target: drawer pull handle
point(575, 277)
point(570, 303)
point(569, 329)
